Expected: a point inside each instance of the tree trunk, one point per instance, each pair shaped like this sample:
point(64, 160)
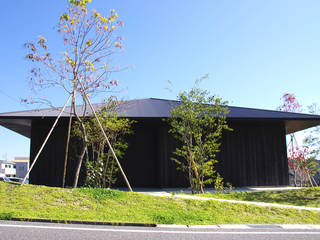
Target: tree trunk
point(81, 157)
point(295, 178)
point(111, 172)
point(105, 170)
point(194, 168)
point(191, 179)
point(84, 150)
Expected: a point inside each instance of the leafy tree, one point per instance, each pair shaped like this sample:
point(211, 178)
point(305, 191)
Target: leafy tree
point(312, 143)
point(85, 65)
point(102, 170)
point(295, 159)
point(198, 122)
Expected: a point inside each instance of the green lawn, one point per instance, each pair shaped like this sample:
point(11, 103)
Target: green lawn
point(309, 197)
point(33, 201)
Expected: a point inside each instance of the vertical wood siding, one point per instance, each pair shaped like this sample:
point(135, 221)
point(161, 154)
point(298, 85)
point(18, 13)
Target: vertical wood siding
point(253, 154)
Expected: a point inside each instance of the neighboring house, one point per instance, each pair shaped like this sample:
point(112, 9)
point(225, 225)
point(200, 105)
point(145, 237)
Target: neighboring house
point(22, 166)
point(7, 169)
point(253, 154)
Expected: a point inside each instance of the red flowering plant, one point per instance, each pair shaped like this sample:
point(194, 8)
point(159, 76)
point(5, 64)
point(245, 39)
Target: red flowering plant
point(304, 166)
point(298, 158)
point(290, 103)
point(297, 162)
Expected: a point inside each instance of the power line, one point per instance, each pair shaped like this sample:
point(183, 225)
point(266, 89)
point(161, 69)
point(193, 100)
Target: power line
point(8, 96)
point(14, 99)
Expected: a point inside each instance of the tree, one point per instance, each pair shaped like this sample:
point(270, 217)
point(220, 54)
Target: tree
point(85, 66)
point(102, 170)
point(197, 123)
point(304, 166)
point(312, 143)
point(291, 104)
point(301, 160)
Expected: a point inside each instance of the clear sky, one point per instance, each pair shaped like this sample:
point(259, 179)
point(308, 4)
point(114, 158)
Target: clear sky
point(253, 50)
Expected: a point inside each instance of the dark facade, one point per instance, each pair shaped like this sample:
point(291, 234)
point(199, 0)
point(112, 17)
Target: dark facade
point(253, 154)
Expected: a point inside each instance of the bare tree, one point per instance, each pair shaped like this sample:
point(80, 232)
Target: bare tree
point(84, 68)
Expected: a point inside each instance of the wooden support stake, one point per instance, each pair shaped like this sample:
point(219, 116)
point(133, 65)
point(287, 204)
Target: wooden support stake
point(105, 136)
point(68, 140)
point(45, 141)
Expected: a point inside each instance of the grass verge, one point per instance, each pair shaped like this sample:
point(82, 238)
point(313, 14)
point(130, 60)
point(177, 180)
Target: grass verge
point(85, 204)
point(309, 197)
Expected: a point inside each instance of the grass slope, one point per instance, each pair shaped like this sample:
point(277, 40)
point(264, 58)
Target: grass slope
point(309, 197)
point(33, 201)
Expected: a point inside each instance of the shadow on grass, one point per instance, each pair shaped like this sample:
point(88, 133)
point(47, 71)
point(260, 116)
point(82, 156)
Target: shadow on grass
point(301, 197)
point(100, 194)
point(6, 216)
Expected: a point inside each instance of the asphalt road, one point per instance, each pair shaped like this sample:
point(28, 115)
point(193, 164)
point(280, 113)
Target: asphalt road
point(36, 231)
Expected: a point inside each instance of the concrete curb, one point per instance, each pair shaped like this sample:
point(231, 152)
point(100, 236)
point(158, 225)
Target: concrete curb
point(244, 226)
point(42, 220)
point(152, 225)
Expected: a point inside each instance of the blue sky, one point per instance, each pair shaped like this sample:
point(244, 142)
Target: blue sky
point(253, 50)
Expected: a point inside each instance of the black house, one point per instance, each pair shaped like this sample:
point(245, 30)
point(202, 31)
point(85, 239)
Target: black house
point(254, 154)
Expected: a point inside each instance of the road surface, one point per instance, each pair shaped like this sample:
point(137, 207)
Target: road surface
point(38, 231)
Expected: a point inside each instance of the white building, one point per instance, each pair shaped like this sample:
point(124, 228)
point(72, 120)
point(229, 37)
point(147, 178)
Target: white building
point(7, 169)
point(22, 166)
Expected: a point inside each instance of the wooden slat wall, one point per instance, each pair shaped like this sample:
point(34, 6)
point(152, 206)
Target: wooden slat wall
point(254, 154)
point(48, 168)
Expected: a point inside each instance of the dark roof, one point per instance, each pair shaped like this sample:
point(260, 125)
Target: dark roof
point(158, 108)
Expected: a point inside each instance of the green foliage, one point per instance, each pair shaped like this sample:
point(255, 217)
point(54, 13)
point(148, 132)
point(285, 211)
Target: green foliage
point(198, 122)
point(102, 169)
point(313, 165)
point(94, 173)
point(312, 143)
point(218, 183)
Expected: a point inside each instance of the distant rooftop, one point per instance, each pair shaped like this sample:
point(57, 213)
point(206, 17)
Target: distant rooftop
point(20, 122)
point(21, 159)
